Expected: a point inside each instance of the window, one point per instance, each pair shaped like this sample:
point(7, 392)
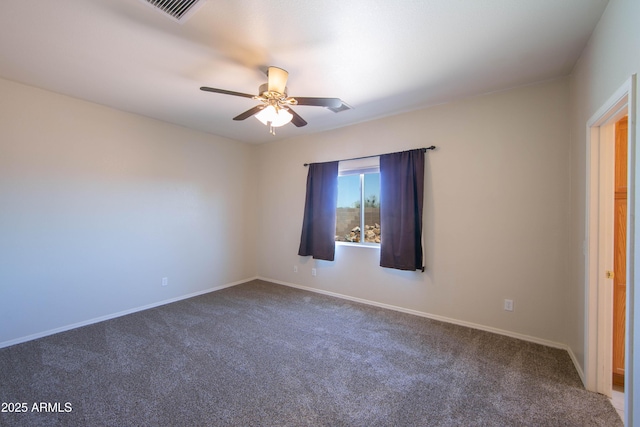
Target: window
point(389, 191)
point(358, 209)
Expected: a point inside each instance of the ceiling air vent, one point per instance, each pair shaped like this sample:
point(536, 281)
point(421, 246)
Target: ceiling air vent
point(178, 10)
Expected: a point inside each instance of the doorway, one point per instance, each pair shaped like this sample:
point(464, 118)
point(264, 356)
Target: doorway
point(619, 252)
point(599, 246)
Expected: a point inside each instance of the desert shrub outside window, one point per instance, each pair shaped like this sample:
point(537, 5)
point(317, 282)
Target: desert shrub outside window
point(358, 211)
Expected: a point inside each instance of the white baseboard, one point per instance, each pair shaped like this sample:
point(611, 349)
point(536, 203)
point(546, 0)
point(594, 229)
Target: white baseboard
point(574, 359)
point(511, 334)
point(118, 314)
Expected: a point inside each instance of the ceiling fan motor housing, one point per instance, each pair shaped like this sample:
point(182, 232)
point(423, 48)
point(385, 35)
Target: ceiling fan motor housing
point(263, 90)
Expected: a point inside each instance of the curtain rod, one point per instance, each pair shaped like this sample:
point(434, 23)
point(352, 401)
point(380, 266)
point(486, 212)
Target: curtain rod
point(433, 147)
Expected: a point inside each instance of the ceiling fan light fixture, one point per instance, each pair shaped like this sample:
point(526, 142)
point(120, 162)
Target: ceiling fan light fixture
point(270, 117)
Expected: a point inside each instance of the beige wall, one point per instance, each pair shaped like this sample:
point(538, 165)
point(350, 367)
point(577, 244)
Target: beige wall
point(97, 206)
point(496, 211)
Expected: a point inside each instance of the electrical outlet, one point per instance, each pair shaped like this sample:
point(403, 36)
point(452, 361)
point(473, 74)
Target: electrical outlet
point(165, 281)
point(508, 305)
point(313, 272)
point(295, 268)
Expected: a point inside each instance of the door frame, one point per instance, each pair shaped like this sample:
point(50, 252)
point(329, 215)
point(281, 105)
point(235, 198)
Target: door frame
point(599, 243)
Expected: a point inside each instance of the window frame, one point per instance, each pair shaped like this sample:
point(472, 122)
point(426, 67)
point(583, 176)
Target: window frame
point(361, 167)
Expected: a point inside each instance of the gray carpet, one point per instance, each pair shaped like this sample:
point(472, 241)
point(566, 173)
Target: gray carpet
point(261, 354)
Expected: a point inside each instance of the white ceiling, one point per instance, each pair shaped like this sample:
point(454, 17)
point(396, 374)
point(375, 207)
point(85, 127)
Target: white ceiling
point(382, 57)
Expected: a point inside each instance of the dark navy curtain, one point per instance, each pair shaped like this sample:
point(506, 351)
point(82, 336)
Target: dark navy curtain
point(319, 221)
point(401, 196)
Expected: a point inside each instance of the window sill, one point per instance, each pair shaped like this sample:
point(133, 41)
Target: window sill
point(359, 245)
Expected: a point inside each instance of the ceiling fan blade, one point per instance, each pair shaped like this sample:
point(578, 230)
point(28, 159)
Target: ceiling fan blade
point(297, 120)
point(277, 79)
point(226, 92)
point(319, 102)
point(250, 112)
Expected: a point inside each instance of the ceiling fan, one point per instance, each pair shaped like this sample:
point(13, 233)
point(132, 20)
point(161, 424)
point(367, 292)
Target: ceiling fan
point(274, 109)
